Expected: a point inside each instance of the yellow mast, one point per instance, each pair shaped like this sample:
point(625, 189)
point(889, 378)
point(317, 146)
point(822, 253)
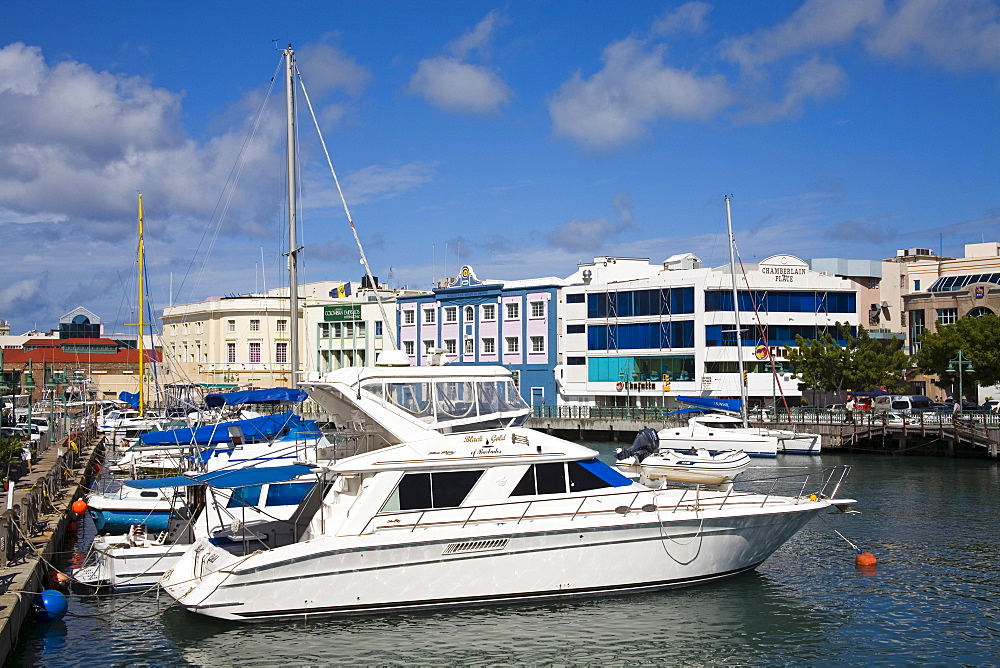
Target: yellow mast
point(142, 366)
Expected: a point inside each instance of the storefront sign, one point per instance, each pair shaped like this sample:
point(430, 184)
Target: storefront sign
point(338, 313)
point(783, 269)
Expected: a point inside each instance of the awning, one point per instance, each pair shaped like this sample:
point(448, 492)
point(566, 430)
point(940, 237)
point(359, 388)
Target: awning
point(269, 396)
point(228, 478)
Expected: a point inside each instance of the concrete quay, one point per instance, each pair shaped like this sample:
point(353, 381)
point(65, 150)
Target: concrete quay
point(33, 528)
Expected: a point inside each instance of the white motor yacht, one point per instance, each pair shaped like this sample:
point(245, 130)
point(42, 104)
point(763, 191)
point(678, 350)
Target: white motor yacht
point(718, 431)
point(494, 517)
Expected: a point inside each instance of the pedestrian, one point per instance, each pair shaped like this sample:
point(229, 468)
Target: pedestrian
point(956, 410)
point(26, 454)
point(849, 410)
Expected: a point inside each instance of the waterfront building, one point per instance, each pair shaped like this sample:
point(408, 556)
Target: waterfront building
point(470, 321)
point(941, 290)
point(244, 340)
point(639, 334)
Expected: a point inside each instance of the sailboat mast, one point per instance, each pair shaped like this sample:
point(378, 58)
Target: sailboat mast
point(293, 250)
point(142, 356)
point(736, 315)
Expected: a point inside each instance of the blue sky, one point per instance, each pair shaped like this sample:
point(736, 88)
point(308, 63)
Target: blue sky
point(519, 137)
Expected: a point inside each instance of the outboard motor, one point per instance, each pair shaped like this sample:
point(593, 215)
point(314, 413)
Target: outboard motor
point(647, 442)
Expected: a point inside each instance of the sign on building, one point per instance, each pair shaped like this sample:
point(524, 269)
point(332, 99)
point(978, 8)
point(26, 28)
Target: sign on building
point(783, 269)
point(340, 313)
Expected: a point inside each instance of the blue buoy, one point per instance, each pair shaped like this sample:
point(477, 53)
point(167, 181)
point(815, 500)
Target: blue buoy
point(50, 606)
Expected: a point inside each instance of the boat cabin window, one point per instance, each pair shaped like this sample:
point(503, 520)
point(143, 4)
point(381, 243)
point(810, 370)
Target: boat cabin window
point(455, 400)
point(373, 387)
point(149, 494)
point(443, 489)
point(245, 496)
point(287, 494)
point(413, 397)
point(582, 476)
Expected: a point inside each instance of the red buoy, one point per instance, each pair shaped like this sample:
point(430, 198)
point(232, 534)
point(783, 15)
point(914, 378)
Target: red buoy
point(865, 560)
point(79, 506)
point(73, 526)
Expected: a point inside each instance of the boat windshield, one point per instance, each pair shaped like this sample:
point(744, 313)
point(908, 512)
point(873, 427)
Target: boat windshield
point(467, 401)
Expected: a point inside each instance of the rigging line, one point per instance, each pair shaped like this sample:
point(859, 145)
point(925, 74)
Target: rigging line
point(237, 168)
point(390, 331)
point(763, 333)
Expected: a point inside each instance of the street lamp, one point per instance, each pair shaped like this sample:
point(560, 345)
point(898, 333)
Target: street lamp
point(960, 364)
point(28, 383)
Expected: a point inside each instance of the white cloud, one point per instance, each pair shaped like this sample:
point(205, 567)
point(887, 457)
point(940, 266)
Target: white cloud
point(812, 80)
point(955, 34)
point(22, 293)
point(381, 182)
point(817, 23)
point(634, 89)
point(689, 17)
point(590, 235)
point(451, 83)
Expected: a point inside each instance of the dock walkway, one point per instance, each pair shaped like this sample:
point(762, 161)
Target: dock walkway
point(33, 528)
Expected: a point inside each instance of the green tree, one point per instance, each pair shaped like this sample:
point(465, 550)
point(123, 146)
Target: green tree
point(863, 363)
point(979, 340)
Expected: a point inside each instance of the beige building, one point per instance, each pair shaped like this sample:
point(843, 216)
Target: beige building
point(245, 340)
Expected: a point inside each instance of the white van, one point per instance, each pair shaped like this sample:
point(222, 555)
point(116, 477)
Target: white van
point(902, 402)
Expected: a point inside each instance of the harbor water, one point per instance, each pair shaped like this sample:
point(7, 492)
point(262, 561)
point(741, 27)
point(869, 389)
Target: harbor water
point(932, 598)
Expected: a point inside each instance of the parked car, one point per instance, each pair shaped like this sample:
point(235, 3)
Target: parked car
point(991, 405)
point(40, 422)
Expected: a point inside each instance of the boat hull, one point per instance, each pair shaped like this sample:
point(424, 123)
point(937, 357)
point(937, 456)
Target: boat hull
point(500, 563)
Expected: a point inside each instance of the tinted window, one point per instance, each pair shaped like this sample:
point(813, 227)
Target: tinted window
point(244, 496)
point(418, 491)
point(580, 479)
point(290, 494)
point(551, 478)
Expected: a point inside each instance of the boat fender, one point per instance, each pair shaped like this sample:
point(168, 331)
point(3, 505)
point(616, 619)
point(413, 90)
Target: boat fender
point(50, 606)
point(865, 560)
point(79, 506)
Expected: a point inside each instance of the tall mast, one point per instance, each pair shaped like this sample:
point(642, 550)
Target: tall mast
point(293, 249)
point(142, 361)
point(736, 315)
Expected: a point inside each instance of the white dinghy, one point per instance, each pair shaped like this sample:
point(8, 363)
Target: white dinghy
point(698, 466)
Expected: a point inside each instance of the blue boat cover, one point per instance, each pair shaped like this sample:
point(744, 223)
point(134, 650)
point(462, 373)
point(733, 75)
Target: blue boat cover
point(227, 478)
point(130, 398)
point(260, 428)
point(605, 473)
point(731, 405)
point(272, 395)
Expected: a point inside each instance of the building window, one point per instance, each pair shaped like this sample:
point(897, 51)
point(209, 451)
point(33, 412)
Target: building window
point(378, 328)
point(408, 316)
point(230, 325)
point(336, 330)
point(576, 329)
point(916, 285)
point(513, 344)
point(185, 326)
point(917, 327)
point(470, 313)
point(255, 325)
point(513, 310)
point(348, 330)
point(428, 345)
point(451, 346)
point(537, 309)
point(489, 346)
point(489, 311)
point(281, 326)
point(947, 316)
point(575, 298)
point(255, 352)
point(576, 361)
point(230, 352)
point(470, 346)
point(408, 347)
point(324, 330)
point(451, 314)
point(538, 344)
point(361, 328)
point(428, 316)
point(281, 353)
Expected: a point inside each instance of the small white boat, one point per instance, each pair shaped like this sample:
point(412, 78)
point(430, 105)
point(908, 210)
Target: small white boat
point(646, 460)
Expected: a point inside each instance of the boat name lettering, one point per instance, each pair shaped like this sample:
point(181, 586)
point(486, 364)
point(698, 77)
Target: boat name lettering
point(442, 452)
point(473, 439)
point(487, 451)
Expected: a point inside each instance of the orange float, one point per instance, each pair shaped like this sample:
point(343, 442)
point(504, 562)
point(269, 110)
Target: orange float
point(79, 506)
point(865, 560)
